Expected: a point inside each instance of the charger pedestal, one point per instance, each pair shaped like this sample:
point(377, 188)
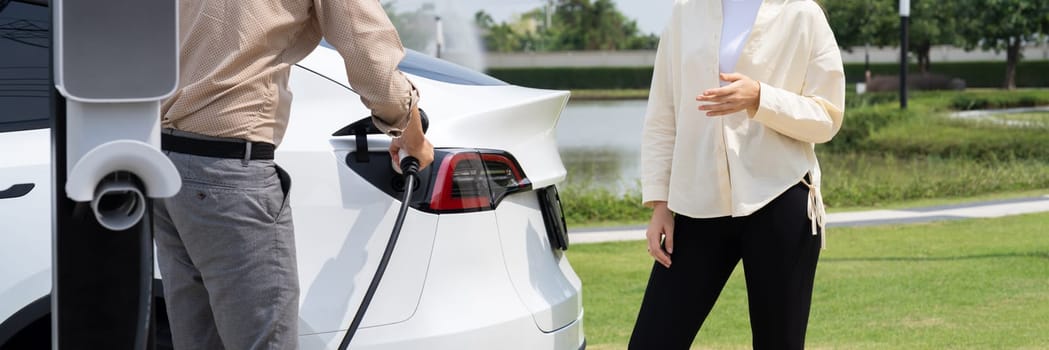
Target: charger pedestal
point(114, 62)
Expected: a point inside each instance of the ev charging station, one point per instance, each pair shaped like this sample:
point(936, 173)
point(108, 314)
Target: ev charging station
point(114, 62)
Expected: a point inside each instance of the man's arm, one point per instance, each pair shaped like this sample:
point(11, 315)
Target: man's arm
point(362, 33)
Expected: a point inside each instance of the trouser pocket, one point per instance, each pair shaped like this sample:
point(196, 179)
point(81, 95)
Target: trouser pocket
point(285, 195)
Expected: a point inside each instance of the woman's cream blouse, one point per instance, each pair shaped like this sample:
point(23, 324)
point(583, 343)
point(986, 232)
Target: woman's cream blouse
point(734, 165)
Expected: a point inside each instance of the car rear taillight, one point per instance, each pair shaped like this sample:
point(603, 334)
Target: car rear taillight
point(475, 180)
point(460, 180)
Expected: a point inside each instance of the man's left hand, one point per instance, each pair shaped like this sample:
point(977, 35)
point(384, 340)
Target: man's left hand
point(742, 93)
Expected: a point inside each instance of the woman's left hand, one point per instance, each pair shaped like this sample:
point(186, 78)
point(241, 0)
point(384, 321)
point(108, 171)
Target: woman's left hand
point(743, 93)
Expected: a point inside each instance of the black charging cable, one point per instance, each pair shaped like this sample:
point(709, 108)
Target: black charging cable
point(410, 170)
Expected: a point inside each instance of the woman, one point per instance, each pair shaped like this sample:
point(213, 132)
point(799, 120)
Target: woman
point(742, 91)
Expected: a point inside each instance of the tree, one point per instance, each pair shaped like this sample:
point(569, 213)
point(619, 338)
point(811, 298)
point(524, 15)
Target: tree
point(861, 22)
point(597, 25)
point(575, 25)
point(1002, 25)
point(877, 22)
point(483, 20)
point(932, 23)
point(497, 37)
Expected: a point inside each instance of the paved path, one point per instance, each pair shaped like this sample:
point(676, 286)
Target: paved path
point(994, 112)
point(991, 115)
point(988, 209)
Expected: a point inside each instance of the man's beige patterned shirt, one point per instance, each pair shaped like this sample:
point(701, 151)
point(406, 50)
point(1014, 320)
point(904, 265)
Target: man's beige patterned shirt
point(236, 56)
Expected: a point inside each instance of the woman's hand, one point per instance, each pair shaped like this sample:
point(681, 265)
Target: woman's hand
point(661, 230)
point(743, 93)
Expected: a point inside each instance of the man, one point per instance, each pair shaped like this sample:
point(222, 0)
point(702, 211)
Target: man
point(225, 244)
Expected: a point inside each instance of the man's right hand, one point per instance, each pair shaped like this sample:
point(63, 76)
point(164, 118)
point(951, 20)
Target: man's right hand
point(414, 142)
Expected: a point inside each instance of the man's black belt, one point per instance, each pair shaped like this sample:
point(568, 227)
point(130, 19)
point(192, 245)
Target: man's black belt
point(217, 149)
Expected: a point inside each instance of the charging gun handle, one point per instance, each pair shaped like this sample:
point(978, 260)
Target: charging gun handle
point(409, 165)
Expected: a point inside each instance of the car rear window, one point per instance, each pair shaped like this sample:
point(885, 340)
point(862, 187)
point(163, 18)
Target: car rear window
point(428, 67)
point(24, 70)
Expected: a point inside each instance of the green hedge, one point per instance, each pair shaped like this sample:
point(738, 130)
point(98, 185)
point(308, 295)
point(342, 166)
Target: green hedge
point(985, 141)
point(874, 123)
point(860, 123)
point(990, 100)
point(577, 78)
point(953, 100)
point(989, 74)
point(975, 74)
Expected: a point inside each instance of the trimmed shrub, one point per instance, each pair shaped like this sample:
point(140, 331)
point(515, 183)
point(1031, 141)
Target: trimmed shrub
point(984, 141)
point(993, 100)
point(874, 122)
point(920, 82)
point(577, 78)
point(860, 123)
point(986, 74)
point(989, 74)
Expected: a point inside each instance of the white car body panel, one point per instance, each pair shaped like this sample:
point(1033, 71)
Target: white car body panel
point(540, 273)
point(342, 221)
point(25, 226)
point(496, 316)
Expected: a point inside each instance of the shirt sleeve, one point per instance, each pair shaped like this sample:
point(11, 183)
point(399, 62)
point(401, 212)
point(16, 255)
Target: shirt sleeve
point(659, 133)
point(815, 114)
point(362, 33)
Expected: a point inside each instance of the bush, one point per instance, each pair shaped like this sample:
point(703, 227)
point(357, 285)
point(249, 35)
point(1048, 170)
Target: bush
point(588, 205)
point(871, 179)
point(874, 122)
point(998, 100)
point(986, 74)
point(984, 141)
point(860, 123)
point(937, 101)
point(577, 78)
point(919, 82)
point(975, 74)
point(850, 179)
point(853, 101)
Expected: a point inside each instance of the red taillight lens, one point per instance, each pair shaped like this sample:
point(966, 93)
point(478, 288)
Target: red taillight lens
point(504, 176)
point(460, 184)
point(475, 180)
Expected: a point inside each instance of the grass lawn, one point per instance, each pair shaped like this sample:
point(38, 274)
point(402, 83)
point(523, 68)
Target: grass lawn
point(877, 181)
point(974, 284)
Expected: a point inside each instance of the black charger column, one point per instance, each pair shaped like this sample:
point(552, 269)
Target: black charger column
point(113, 62)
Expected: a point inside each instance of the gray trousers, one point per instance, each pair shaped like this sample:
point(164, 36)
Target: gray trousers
point(226, 252)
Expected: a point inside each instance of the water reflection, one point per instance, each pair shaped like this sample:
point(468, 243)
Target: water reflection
point(600, 143)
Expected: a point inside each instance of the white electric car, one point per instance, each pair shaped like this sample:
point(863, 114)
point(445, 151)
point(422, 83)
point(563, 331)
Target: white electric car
point(479, 265)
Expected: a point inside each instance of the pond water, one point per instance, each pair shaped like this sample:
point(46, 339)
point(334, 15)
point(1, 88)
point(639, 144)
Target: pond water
point(600, 143)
